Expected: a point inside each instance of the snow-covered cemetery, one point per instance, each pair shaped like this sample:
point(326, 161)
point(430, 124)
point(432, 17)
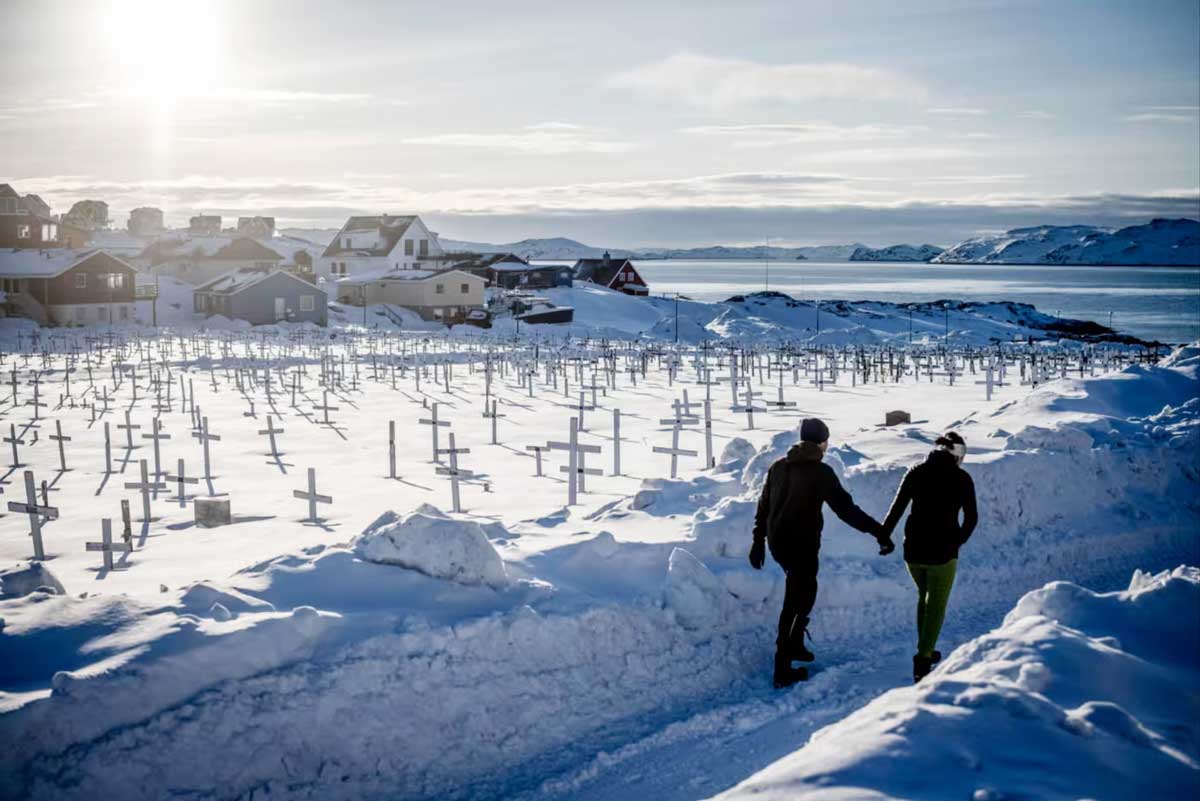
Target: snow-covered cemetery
point(408, 402)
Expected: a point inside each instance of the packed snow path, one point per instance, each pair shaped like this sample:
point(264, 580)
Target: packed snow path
point(478, 654)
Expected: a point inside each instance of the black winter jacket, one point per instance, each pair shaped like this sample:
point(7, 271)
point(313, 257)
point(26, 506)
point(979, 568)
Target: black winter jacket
point(789, 510)
point(939, 489)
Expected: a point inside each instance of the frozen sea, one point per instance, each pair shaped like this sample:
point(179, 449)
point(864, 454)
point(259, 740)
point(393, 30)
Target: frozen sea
point(1155, 303)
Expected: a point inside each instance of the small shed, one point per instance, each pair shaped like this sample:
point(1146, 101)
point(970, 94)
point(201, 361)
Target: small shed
point(262, 296)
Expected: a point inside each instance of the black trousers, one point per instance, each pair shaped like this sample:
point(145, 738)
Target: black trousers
point(800, 593)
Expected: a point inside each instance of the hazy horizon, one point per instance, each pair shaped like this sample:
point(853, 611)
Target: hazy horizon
point(627, 124)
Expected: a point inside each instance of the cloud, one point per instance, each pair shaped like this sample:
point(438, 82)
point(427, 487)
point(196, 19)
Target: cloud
point(782, 134)
point(957, 111)
point(1036, 114)
point(716, 83)
point(888, 155)
point(538, 139)
point(1170, 114)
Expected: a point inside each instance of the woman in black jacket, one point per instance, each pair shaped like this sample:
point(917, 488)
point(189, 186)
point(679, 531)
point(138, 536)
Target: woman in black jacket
point(939, 490)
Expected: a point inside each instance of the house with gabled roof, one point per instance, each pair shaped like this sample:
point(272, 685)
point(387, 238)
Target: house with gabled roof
point(262, 296)
point(379, 243)
point(200, 259)
point(67, 286)
point(618, 274)
point(443, 295)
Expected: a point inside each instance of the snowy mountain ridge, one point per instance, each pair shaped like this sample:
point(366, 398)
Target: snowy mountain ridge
point(897, 253)
point(1159, 242)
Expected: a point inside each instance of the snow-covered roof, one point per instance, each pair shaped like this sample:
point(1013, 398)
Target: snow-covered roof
point(387, 274)
point(44, 263)
point(518, 267)
point(235, 281)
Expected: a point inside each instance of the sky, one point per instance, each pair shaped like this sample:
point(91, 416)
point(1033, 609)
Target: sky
point(617, 123)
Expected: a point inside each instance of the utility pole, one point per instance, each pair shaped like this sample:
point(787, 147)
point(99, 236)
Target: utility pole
point(767, 265)
point(676, 318)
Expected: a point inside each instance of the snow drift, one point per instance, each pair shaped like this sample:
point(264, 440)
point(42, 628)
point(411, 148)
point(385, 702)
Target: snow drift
point(1078, 695)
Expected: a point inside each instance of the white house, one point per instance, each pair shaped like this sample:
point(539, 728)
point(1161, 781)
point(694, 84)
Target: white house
point(444, 295)
point(377, 244)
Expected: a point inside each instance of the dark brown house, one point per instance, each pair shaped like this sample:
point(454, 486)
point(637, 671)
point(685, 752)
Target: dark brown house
point(67, 286)
point(618, 274)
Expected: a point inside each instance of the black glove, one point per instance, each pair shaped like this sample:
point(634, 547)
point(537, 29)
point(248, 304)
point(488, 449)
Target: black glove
point(886, 545)
point(758, 554)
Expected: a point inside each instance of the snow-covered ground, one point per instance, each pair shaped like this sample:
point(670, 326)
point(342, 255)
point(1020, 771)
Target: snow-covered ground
point(616, 648)
point(1077, 695)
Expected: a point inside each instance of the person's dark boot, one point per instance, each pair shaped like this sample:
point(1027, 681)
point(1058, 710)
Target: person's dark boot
point(937, 657)
point(800, 652)
point(785, 674)
point(921, 667)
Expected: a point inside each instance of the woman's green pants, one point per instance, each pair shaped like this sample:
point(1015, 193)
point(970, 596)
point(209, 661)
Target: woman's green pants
point(933, 591)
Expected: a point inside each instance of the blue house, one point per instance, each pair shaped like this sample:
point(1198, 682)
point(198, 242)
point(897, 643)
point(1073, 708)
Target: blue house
point(262, 296)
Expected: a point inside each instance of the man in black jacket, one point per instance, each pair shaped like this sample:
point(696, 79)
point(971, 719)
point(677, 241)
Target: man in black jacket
point(939, 489)
point(789, 520)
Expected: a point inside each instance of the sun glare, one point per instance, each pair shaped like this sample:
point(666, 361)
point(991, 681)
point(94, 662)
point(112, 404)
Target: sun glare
point(165, 50)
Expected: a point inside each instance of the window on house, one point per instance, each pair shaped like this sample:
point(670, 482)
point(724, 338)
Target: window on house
point(346, 243)
point(80, 314)
point(118, 280)
point(198, 302)
point(49, 232)
point(439, 289)
point(102, 314)
point(408, 247)
point(465, 288)
point(124, 312)
point(306, 303)
point(437, 314)
point(424, 247)
point(81, 280)
point(24, 231)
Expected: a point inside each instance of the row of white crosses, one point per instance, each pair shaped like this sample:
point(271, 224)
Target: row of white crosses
point(147, 366)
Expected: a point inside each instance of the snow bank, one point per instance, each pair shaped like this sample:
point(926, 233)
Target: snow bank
point(1077, 695)
point(417, 662)
point(436, 545)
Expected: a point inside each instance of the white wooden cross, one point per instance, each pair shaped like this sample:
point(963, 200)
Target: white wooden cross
point(454, 471)
point(325, 407)
point(675, 451)
point(391, 448)
point(14, 440)
point(576, 468)
point(271, 431)
point(106, 544)
point(58, 437)
point(537, 453)
point(144, 486)
point(493, 414)
point(181, 478)
point(156, 436)
point(129, 429)
point(749, 408)
point(311, 496)
point(35, 512)
point(434, 423)
point(205, 438)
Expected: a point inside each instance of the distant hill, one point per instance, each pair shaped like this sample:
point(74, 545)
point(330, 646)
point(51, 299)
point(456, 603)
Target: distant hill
point(563, 249)
point(555, 249)
point(897, 253)
point(1159, 242)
